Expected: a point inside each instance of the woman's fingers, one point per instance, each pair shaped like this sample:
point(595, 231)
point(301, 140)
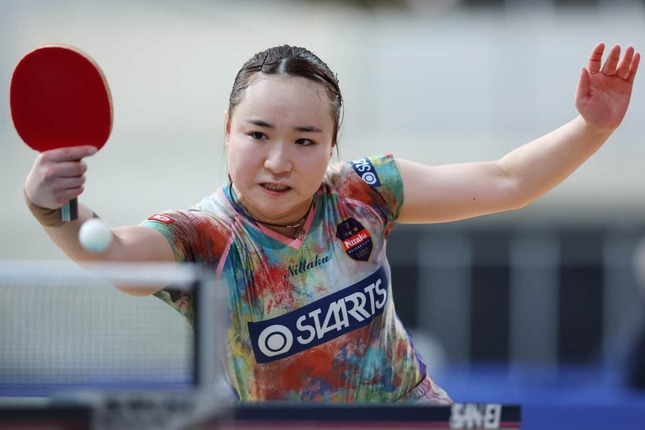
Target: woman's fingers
point(611, 64)
point(622, 71)
point(595, 59)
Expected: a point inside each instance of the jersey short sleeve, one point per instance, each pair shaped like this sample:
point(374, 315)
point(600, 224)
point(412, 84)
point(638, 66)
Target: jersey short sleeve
point(375, 181)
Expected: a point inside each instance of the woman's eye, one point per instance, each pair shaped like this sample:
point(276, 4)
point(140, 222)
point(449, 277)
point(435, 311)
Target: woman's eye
point(304, 142)
point(257, 135)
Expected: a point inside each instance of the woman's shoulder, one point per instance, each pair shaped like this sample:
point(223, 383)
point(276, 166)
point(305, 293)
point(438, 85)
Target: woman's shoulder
point(213, 204)
point(212, 209)
point(367, 170)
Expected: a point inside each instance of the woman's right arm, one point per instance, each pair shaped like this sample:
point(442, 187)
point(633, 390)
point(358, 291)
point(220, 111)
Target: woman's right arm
point(58, 176)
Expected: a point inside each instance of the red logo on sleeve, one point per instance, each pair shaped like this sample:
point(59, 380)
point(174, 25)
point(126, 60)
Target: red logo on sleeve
point(161, 218)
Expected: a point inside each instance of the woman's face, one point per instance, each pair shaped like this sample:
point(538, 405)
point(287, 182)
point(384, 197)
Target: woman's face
point(279, 140)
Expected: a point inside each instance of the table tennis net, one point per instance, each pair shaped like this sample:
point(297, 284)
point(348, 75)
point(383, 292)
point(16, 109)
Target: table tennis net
point(64, 327)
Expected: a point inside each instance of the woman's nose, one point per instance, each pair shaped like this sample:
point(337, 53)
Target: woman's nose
point(278, 159)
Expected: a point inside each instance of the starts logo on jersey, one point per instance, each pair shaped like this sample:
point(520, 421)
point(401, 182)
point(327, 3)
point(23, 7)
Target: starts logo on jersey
point(365, 169)
point(321, 321)
point(356, 240)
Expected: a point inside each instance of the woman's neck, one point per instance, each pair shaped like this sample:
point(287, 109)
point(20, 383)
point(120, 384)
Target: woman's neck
point(292, 230)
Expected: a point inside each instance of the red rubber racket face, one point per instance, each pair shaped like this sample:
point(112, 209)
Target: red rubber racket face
point(59, 98)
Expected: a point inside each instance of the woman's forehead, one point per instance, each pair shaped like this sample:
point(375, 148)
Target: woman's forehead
point(286, 97)
point(276, 85)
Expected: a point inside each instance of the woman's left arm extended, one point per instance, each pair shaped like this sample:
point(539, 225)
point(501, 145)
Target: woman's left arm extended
point(458, 191)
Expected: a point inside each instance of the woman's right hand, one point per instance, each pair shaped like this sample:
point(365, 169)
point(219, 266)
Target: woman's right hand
point(57, 176)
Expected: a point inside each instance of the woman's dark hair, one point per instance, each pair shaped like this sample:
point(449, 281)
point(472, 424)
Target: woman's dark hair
point(288, 60)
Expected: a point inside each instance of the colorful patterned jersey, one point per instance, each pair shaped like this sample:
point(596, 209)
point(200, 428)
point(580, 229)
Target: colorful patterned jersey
point(310, 318)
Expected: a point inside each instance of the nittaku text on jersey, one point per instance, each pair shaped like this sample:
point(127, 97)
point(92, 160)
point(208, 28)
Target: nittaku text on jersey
point(355, 240)
point(305, 265)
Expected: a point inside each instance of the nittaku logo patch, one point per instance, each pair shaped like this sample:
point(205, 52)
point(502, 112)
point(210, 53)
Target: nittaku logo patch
point(161, 218)
point(365, 169)
point(356, 240)
point(321, 321)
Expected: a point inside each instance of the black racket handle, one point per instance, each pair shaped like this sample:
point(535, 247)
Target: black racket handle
point(69, 211)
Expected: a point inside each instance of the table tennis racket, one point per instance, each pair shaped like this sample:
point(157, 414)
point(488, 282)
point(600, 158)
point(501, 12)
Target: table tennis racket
point(60, 98)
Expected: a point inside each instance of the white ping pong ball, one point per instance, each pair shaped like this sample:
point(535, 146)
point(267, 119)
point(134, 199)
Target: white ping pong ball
point(95, 236)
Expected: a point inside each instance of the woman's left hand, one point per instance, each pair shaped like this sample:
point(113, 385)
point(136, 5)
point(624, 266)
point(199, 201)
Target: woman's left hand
point(604, 90)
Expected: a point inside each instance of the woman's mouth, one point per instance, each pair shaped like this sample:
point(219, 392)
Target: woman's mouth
point(275, 187)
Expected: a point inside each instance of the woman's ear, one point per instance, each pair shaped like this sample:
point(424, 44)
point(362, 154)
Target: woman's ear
point(227, 127)
point(331, 150)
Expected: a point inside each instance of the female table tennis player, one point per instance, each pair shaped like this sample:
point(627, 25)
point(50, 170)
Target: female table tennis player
point(301, 241)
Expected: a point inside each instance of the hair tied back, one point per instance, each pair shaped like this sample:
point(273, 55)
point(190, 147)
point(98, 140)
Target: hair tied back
point(264, 61)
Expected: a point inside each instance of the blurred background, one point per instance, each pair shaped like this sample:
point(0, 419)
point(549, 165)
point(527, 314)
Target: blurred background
point(540, 305)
